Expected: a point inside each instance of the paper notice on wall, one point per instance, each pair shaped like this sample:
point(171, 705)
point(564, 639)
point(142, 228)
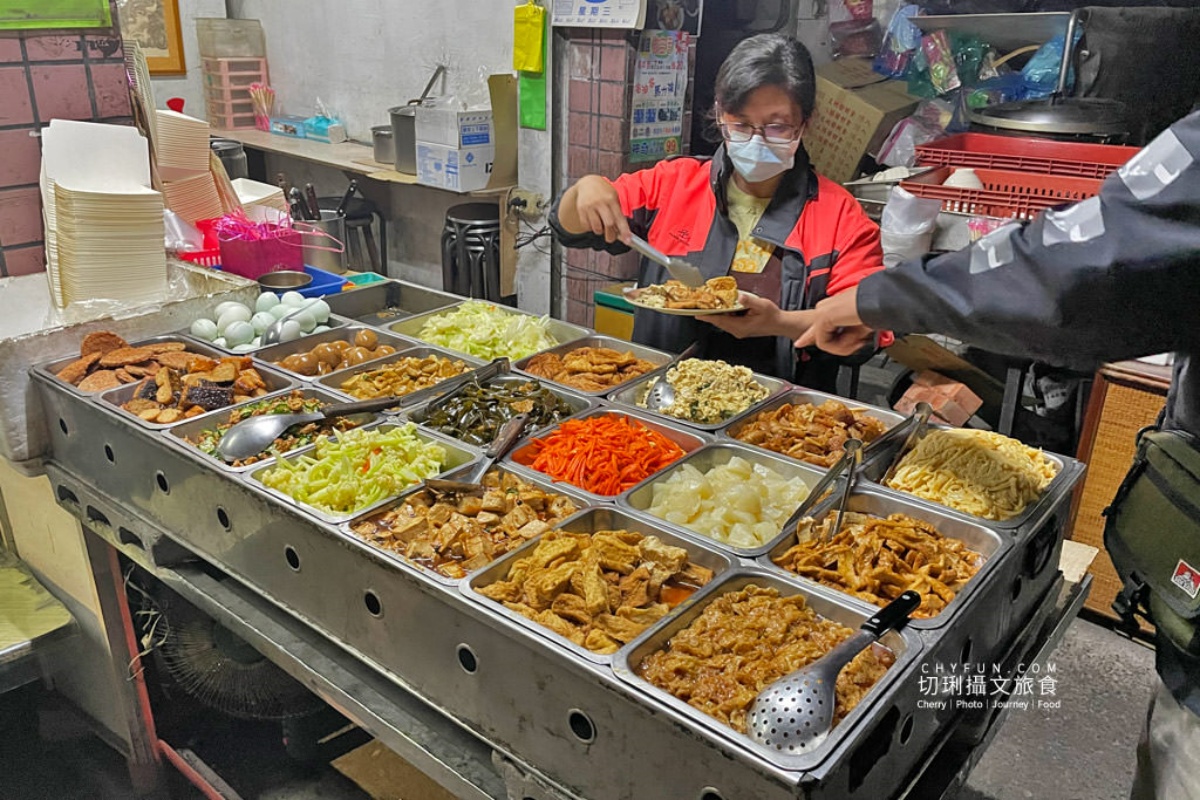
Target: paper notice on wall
point(659, 88)
point(599, 13)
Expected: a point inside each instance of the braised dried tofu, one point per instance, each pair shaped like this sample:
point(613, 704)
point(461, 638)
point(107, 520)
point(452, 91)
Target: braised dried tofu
point(598, 590)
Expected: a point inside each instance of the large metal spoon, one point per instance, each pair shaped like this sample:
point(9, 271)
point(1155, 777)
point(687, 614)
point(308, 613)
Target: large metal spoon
point(508, 435)
point(795, 714)
point(254, 434)
point(662, 393)
point(275, 330)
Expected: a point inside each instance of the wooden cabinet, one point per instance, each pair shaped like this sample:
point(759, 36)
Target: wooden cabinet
point(1127, 396)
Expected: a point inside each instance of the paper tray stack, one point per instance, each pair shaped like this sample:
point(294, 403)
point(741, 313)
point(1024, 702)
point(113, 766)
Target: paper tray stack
point(182, 154)
point(104, 224)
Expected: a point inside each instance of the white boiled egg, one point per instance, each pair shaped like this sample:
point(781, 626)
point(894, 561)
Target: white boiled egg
point(204, 329)
point(266, 301)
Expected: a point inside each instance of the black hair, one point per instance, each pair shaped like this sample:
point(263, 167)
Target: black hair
point(768, 59)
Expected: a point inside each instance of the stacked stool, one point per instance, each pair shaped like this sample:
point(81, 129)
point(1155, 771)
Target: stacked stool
point(471, 252)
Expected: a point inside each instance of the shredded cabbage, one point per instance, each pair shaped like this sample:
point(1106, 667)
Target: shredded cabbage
point(357, 468)
point(485, 331)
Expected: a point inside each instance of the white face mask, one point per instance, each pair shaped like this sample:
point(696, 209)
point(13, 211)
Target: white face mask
point(759, 160)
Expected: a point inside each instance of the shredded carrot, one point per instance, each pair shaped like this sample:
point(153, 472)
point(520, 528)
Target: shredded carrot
point(605, 454)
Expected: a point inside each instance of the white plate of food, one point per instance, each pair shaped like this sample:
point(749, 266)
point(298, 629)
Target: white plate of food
point(716, 296)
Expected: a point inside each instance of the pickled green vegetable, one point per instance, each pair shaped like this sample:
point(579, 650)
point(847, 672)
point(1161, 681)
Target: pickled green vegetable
point(476, 414)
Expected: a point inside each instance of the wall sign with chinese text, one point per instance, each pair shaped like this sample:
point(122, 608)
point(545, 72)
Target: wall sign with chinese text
point(599, 13)
point(659, 90)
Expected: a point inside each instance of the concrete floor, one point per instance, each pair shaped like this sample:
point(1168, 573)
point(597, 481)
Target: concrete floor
point(1084, 751)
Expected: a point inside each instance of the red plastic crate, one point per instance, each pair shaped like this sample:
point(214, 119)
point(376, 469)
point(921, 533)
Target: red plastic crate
point(1005, 193)
point(1078, 159)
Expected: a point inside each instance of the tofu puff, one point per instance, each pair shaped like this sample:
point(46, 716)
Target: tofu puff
point(598, 590)
point(455, 534)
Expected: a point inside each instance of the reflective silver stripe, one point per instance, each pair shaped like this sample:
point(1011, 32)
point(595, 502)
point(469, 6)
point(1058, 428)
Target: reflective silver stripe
point(1081, 222)
point(994, 250)
point(1156, 167)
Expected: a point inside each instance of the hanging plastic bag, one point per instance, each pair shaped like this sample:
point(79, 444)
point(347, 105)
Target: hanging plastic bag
point(1041, 73)
point(899, 43)
point(529, 25)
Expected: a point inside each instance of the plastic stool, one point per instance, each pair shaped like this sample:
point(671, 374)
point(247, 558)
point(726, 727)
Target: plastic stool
point(471, 251)
point(360, 214)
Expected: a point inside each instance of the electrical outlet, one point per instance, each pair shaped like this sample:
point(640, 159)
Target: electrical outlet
point(528, 203)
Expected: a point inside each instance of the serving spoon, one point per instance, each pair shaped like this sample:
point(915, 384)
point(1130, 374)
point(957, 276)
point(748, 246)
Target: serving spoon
point(508, 435)
point(662, 393)
point(253, 435)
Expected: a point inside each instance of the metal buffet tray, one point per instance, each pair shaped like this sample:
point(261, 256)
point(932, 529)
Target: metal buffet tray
point(905, 644)
point(333, 381)
point(384, 302)
point(1069, 471)
point(346, 528)
point(275, 382)
point(712, 455)
point(656, 357)
point(591, 520)
point(631, 391)
point(50, 369)
point(197, 425)
point(333, 323)
point(278, 352)
point(579, 403)
point(564, 332)
point(457, 455)
point(880, 502)
point(798, 396)
point(522, 456)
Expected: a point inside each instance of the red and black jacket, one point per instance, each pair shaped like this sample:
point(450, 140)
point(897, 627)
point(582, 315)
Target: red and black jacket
point(823, 239)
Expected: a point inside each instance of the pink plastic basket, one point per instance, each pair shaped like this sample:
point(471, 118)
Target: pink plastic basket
point(255, 258)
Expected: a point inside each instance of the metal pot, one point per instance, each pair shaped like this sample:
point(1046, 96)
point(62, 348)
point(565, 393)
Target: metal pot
point(383, 140)
point(404, 137)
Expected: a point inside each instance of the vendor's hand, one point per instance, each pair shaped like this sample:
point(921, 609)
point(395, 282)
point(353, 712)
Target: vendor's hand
point(837, 328)
point(593, 204)
point(761, 318)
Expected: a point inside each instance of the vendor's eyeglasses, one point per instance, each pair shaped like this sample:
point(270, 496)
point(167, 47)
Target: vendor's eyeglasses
point(775, 132)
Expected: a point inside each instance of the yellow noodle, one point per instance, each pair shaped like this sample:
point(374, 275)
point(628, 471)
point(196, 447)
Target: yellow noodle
point(979, 472)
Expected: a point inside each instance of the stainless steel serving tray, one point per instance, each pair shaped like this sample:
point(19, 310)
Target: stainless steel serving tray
point(383, 302)
point(457, 455)
point(346, 528)
point(712, 455)
point(578, 402)
point(278, 352)
point(522, 456)
point(631, 391)
point(1069, 471)
point(880, 502)
point(197, 425)
point(275, 381)
point(50, 369)
point(333, 381)
point(905, 644)
point(333, 323)
point(656, 357)
point(798, 396)
point(564, 332)
point(591, 520)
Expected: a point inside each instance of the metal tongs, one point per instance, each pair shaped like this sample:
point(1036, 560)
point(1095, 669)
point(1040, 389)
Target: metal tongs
point(851, 458)
point(472, 483)
point(680, 270)
point(444, 390)
point(915, 427)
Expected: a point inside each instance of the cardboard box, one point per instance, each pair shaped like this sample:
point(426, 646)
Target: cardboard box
point(856, 110)
point(465, 169)
point(455, 128)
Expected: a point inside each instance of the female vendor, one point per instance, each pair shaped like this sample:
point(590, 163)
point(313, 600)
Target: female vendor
point(756, 210)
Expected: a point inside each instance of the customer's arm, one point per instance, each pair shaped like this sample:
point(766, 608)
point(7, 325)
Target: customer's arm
point(1111, 277)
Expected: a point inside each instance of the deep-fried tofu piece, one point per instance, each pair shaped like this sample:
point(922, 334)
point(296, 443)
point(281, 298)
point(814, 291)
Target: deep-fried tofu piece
point(535, 527)
point(225, 372)
point(600, 642)
point(669, 557)
point(176, 359)
point(560, 626)
point(635, 588)
point(644, 617)
point(518, 517)
point(169, 415)
point(543, 586)
point(572, 608)
point(619, 628)
point(553, 550)
point(615, 554)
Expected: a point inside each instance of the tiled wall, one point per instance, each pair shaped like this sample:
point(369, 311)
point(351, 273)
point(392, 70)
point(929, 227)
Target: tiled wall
point(598, 111)
point(61, 75)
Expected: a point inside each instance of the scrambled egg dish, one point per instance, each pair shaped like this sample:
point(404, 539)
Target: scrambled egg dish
point(709, 392)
